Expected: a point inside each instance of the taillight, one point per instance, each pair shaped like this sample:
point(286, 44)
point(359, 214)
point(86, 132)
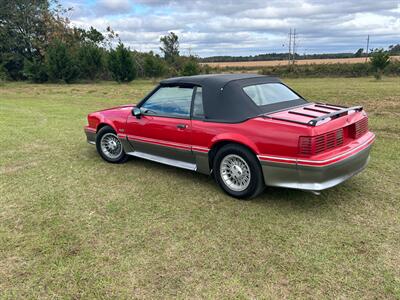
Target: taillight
point(359, 128)
point(310, 145)
point(92, 121)
point(305, 145)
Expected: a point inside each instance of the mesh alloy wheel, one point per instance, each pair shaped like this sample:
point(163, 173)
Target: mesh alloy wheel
point(111, 146)
point(238, 172)
point(235, 172)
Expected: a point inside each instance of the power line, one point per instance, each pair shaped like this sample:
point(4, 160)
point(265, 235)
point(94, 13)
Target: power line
point(294, 47)
point(290, 45)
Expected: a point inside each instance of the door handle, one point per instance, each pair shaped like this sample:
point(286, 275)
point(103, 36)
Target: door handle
point(181, 126)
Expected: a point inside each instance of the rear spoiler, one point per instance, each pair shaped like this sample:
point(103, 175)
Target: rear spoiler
point(339, 111)
point(333, 115)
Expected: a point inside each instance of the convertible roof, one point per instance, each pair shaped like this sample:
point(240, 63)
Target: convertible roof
point(224, 99)
point(213, 79)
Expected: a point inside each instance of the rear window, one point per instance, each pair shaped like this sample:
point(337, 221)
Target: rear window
point(269, 93)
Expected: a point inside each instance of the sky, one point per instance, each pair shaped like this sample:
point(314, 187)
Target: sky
point(244, 27)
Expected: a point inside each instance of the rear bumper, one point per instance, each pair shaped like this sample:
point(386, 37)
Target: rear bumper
point(90, 135)
point(316, 175)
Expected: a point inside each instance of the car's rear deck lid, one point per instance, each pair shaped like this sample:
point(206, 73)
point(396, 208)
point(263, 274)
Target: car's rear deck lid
point(313, 114)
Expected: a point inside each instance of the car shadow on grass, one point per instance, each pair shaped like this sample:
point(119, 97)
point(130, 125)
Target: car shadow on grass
point(304, 200)
point(272, 195)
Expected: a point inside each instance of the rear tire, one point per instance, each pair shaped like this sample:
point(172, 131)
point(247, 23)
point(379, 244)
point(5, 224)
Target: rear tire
point(109, 146)
point(238, 172)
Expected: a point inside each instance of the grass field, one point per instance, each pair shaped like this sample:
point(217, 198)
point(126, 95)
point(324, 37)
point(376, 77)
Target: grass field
point(273, 63)
point(73, 226)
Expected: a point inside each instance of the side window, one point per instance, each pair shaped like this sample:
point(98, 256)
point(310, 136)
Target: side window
point(169, 101)
point(198, 110)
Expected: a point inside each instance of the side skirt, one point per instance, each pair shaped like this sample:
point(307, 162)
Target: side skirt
point(164, 160)
point(200, 164)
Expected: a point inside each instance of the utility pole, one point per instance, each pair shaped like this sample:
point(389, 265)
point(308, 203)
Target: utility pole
point(366, 58)
point(294, 47)
point(290, 44)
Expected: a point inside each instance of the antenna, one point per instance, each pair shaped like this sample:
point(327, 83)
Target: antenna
point(366, 58)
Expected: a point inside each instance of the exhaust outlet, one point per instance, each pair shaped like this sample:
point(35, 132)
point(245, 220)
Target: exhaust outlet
point(316, 193)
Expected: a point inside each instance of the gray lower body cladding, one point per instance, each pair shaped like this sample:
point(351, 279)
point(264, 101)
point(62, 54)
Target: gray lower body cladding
point(90, 136)
point(181, 158)
point(314, 178)
point(295, 176)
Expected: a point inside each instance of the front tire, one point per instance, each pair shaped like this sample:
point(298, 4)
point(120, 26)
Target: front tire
point(109, 146)
point(238, 172)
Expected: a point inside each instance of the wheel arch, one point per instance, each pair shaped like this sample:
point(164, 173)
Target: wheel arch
point(258, 184)
point(221, 142)
point(104, 124)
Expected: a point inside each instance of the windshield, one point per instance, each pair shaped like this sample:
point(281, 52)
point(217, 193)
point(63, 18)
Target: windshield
point(269, 93)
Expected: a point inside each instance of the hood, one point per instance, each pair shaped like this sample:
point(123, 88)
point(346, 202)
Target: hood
point(118, 108)
point(114, 115)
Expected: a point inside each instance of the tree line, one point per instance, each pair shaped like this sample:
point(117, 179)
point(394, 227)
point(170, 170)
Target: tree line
point(38, 44)
point(392, 50)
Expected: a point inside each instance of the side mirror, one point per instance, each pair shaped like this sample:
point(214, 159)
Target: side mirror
point(136, 112)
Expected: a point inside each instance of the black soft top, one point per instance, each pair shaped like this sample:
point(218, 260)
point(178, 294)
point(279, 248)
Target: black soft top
point(224, 99)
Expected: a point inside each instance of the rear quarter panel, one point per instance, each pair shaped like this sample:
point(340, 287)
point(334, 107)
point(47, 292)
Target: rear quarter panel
point(261, 135)
point(267, 136)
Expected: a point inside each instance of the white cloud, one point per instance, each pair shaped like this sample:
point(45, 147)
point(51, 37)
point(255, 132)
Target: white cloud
point(228, 27)
point(114, 6)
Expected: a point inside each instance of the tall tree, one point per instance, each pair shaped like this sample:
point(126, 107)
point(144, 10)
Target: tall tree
point(359, 52)
point(90, 54)
point(379, 60)
point(191, 67)
point(154, 65)
point(36, 71)
point(61, 63)
point(90, 60)
point(92, 35)
point(394, 49)
point(22, 27)
point(121, 64)
point(26, 28)
point(170, 46)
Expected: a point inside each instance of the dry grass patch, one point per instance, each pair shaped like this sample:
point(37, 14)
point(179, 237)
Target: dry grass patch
point(274, 63)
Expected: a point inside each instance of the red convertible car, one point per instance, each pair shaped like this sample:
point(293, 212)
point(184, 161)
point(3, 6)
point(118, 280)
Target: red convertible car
point(247, 130)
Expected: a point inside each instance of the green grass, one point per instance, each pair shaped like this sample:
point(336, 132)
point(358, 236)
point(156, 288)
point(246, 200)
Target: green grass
point(73, 226)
